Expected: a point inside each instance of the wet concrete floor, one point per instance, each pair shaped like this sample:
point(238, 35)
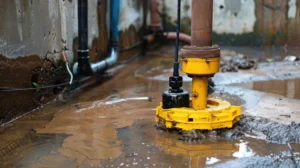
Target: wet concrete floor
point(112, 125)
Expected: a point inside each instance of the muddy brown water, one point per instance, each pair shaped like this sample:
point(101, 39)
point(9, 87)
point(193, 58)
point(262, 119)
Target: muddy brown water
point(85, 131)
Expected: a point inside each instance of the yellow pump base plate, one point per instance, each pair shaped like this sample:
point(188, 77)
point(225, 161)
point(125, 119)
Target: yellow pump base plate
point(218, 114)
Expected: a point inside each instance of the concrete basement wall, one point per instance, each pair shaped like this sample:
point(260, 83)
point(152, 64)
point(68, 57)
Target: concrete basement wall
point(245, 22)
point(34, 32)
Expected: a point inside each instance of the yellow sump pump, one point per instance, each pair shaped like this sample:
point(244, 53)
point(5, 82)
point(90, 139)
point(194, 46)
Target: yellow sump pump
point(202, 113)
point(199, 61)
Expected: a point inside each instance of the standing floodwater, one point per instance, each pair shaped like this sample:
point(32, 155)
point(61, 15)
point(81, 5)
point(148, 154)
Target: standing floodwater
point(112, 125)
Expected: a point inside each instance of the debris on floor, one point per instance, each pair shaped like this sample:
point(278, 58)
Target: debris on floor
point(232, 62)
point(199, 136)
point(291, 58)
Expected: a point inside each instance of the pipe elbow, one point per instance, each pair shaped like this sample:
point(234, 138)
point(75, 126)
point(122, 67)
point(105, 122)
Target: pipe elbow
point(83, 66)
point(182, 37)
point(113, 57)
point(108, 62)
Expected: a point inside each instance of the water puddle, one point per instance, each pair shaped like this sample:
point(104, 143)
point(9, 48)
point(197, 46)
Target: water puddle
point(289, 88)
point(36, 151)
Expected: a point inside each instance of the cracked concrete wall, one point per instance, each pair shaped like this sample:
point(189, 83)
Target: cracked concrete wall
point(245, 22)
point(28, 26)
point(234, 16)
point(131, 13)
point(230, 16)
point(38, 27)
point(272, 22)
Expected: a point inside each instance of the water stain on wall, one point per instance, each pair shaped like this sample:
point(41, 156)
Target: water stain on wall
point(245, 22)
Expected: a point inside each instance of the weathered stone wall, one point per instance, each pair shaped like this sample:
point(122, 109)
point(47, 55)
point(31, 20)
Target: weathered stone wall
point(245, 22)
point(33, 34)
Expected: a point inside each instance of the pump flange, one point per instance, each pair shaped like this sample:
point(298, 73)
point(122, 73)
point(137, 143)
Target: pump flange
point(219, 114)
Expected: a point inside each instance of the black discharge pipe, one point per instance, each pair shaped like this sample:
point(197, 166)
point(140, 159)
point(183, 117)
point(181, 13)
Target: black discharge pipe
point(84, 67)
point(176, 97)
point(175, 81)
point(176, 63)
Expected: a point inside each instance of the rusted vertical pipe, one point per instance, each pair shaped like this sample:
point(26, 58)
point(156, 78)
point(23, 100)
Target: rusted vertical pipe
point(155, 14)
point(202, 11)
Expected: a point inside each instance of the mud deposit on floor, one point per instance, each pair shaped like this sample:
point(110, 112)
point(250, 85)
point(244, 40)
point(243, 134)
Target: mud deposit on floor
point(271, 131)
